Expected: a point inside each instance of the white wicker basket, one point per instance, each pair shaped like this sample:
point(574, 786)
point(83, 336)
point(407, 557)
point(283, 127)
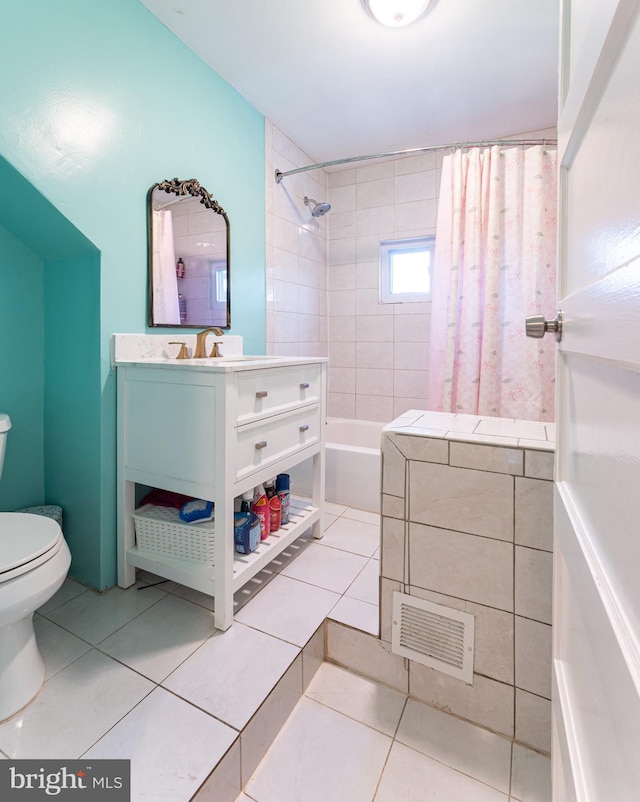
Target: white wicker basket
point(160, 529)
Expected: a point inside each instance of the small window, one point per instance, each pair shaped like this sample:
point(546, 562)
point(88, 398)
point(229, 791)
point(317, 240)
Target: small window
point(405, 269)
point(221, 285)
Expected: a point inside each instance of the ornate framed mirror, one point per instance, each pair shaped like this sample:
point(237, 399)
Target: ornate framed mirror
point(189, 257)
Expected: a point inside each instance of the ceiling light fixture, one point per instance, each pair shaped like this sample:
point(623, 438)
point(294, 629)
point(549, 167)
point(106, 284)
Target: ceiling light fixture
point(396, 13)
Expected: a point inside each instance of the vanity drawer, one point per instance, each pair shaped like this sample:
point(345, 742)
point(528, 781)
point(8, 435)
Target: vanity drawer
point(260, 444)
point(262, 393)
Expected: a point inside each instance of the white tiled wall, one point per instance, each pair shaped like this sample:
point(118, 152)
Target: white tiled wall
point(200, 241)
point(379, 353)
point(469, 526)
point(322, 274)
point(296, 252)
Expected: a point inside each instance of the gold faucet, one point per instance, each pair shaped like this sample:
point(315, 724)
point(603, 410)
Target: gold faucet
point(201, 342)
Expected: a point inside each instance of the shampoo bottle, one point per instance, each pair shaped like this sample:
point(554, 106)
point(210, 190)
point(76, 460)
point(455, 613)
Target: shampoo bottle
point(261, 509)
point(284, 494)
point(274, 513)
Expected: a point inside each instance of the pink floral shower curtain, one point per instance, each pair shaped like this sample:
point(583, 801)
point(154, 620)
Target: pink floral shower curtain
point(495, 263)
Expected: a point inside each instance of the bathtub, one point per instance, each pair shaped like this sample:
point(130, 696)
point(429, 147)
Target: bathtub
point(352, 464)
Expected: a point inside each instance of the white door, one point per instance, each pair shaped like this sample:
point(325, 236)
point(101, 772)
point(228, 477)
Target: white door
point(596, 707)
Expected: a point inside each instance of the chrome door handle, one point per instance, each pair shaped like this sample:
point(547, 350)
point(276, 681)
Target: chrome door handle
point(537, 326)
point(304, 427)
point(304, 386)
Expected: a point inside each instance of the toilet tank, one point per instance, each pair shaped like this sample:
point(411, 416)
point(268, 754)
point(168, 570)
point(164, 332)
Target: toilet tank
point(5, 425)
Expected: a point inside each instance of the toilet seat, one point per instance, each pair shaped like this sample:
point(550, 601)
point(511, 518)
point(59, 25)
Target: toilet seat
point(26, 541)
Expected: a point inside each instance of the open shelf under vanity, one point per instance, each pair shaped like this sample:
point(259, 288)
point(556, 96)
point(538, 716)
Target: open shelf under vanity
point(214, 432)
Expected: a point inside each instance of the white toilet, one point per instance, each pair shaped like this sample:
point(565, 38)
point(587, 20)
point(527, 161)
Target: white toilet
point(34, 561)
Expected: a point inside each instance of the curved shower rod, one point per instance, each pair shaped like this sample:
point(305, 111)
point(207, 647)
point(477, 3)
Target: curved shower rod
point(279, 175)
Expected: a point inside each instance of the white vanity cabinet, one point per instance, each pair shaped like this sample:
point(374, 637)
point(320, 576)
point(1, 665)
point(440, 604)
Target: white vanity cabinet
point(213, 431)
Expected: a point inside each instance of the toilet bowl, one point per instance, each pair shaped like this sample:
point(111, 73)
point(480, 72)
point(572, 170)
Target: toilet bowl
point(34, 561)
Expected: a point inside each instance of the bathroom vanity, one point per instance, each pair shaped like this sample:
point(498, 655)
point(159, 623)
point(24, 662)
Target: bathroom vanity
point(214, 429)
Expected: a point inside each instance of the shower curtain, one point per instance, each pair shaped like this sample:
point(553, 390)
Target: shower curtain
point(495, 263)
point(165, 283)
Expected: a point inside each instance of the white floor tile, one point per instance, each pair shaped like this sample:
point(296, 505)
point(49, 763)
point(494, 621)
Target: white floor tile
point(264, 727)
point(147, 579)
point(320, 755)
point(158, 640)
point(334, 509)
point(223, 784)
point(357, 697)
point(75, 708)
point(461, 745)
point(355, 536)
point(362, 515)
point(326, 567)
point(58, 647)
point(327, 520)
point(291, 553)
point(366, 586)
point(68, 590)
point(410, 776)
point(249, 590)
point(232, 673)
point(194, 596)
point(172, 747)
point(272, 569)
point(531, 776)
point(288, 609)
point(357, 614)
point(94, 616)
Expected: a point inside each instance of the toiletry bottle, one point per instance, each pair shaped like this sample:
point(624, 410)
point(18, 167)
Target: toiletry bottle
point(247, 501)
point(180, 268)
point(274, 513)
point(241, 532)
point(255, 532)
point(261, 509)
point(270, 488)
point(284, 494)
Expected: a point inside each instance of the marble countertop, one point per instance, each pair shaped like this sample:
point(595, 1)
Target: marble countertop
point(160, 350)
point(476, 429)
point(222, 365)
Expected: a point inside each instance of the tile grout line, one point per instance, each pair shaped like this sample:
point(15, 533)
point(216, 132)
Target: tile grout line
point(513, 616)
point(115, 724)
point(96, 647)
point(166, 593)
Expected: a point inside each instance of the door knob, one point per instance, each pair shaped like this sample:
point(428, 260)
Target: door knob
point(537, 326)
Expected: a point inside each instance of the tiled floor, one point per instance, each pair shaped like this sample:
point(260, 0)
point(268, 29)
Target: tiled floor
point(352, 739)
point(143, 674)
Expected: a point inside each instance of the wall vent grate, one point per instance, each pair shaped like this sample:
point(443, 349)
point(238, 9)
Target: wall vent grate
point(436, 636)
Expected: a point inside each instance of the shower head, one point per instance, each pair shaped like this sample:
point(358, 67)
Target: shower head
point(317, 209)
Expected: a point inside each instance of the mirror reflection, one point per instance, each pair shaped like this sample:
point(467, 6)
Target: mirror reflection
point(188, 256)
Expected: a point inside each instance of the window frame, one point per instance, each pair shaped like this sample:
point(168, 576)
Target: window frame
point(389, 246)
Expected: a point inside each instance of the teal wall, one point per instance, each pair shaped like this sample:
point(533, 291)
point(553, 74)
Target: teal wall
point(50, 368)
point(21, 374)
point(72, 403)
point(98, 101)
